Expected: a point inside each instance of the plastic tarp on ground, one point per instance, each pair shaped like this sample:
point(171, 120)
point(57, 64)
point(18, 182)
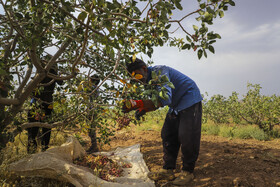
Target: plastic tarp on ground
point(57, 163)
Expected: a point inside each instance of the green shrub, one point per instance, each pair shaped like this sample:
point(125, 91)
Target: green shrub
point(210, 129)
point(250, 131)
point(226, 131)
point(237, 131)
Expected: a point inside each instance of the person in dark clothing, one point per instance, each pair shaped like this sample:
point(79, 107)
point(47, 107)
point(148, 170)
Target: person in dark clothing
point(182, 126)
point(94, 81)
point(41, 109)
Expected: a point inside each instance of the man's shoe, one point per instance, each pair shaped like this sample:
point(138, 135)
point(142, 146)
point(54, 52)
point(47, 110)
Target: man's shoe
point(166, 174)
point(184, 178)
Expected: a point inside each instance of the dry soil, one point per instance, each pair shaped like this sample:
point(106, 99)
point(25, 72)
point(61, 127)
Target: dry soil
point(222, 161)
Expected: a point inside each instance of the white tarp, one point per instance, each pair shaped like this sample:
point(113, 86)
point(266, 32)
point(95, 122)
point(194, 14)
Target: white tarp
point(137, 174)
point(57, 163)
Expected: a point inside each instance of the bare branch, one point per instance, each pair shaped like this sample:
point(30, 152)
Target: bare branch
point(194, 12)
point(145, 8)
point(34, 58)
point(184, 29)
point(61, 78)
point(36, 124)
point(7, 101)
point(129, 18)
point(40, 124)
point(47, 84)
point(24, 81)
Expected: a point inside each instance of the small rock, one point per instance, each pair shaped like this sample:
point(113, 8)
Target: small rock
point(236, 182)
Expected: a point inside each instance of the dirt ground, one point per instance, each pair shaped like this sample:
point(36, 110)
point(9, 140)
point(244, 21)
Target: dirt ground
point(222, 162)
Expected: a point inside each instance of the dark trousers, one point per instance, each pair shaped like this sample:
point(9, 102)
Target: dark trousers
point(33, 132)
point(182, 130)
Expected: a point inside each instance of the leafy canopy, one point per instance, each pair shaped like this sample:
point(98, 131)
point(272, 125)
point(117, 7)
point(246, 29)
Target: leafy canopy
point(84, 37)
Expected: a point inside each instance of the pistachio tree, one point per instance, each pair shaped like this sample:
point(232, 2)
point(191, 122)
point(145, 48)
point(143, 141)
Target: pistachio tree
point(253, 108)
point(81, 38)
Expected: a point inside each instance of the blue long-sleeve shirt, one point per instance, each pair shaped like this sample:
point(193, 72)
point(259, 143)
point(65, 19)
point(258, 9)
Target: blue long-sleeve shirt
point(186, 92)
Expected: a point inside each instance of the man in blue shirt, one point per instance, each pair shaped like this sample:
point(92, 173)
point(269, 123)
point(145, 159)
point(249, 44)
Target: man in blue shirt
point(182, 126)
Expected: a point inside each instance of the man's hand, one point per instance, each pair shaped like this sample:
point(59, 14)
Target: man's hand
point(143, 106)
point(131, 104)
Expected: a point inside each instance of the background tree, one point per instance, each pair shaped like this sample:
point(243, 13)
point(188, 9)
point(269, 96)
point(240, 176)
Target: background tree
point(253, 108)
point(97, 36)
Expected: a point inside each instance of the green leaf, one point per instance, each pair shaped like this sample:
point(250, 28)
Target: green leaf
point(160, 42)
point(108, 25)
point(221, 14)
point(195, 27)
point(165, 96)
point(218, 36)
point(201, 12)
point(189, 39)
point(82, 16)
point(199, 53)
point(165, 34)
point(161, 94)
point(168, 26)
point(202, 6)
point(19, 15)
point(198, 18)
point(186, 46)
point(2, 72)
point(164, 78)
point(232, 3)
point(211, 49)
point(178, 4)
point(154, 74)
point(205, 53)
point(208, 16)
point(171, 85)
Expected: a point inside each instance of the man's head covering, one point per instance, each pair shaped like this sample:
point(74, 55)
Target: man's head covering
point(137, 64)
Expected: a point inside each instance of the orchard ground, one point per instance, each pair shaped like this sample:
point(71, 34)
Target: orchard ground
point(222, 161)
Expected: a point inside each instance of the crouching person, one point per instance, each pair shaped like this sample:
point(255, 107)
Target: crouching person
point(182, 126)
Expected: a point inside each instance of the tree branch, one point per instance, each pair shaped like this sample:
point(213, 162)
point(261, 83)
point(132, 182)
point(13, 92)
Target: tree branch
point(35, 124)
point(74, 18)
point(24, 81)
point(7, 101)
point(34, 58)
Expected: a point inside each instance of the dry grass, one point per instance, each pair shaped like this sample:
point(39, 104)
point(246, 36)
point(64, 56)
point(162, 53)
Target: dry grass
point(16, 150)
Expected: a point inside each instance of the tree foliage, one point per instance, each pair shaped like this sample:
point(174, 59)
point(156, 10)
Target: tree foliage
point(253, 108)
point(85, 37)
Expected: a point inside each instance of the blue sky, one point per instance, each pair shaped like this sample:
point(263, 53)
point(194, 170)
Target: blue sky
point(249, 50)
